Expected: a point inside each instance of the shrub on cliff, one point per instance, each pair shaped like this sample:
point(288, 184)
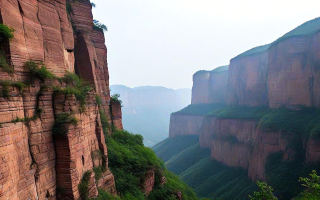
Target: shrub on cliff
point(4, 65)
point(84, 185)
point(115, 98)
point(6, 33)
point(265, 193)
point(99, 26)
point(61, 120)
point(129, 160)
point(40, 72)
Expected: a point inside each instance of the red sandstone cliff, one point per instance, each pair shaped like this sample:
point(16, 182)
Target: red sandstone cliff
point(284, 73)
point(34, 164)
point(210, 86)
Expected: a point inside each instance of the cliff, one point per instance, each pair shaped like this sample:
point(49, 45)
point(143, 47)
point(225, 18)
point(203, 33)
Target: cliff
point(269, 107)
point(50, 126)
point(210, 86)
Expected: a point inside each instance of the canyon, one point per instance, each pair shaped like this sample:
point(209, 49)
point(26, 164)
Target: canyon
point(237, 112)
point(146, 109)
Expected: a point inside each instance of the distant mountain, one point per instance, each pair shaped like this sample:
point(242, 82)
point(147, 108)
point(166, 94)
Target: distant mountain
point(146, 110)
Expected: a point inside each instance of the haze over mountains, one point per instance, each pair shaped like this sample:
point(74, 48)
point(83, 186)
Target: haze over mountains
point(146, 110)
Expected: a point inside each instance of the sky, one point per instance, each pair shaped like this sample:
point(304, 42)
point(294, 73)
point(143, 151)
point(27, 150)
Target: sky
point(164, 42)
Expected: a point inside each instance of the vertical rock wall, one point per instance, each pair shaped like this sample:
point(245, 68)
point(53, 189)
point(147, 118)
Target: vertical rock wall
point(35, 164)
point(210, 86)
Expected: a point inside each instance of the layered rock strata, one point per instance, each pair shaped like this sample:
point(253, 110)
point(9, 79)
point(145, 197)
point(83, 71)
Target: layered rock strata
point(283, 73)
point(35, 163)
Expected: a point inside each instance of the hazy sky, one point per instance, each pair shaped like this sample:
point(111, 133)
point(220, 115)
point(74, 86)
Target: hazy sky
point(164, 42)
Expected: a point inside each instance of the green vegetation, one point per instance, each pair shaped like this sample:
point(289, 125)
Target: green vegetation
point(199, 109)
point(213, 179)
point(40, 72)
point(115, 98)
point(63, 119)
point(216, 70)
point(283, 175)
point(240, 112)
point(99, 26)
point(129, 160)
point(68, 7)
point(172, 146)
point(311, 191)
point(265, 193)
point(75, 86)
point(312, 185)
point(208, 177)
point(303, 121)
point(4, 64)
point(305, 29)
point(187, 158)
point(6, 84)
point(6, 33)
point(84, 185)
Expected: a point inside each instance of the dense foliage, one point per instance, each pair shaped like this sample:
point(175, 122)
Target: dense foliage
point(6, 33)
point(84, 185)
point(129, 160)
point(115, 98)
point(312, 186)
point(265, 193)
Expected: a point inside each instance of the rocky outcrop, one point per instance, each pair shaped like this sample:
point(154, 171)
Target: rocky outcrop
point(149, 180)
point(116, 114)
point(210, 86)
point(36, 163)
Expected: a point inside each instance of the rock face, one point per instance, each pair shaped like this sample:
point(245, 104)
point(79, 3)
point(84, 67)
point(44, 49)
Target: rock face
point(210, 86)
point(185, 124)
point(239, 143)
point(149, 181)
point(283, 73)
point(35, 163)
point(248, 80)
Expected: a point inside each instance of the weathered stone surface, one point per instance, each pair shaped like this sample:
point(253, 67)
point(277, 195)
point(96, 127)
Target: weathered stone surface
point(149, 181)
point(33, 163)
point(185, 125)
point(209, 87)
point(239, 143)
point(247, 82)
point(42, 33)
point(116, 115)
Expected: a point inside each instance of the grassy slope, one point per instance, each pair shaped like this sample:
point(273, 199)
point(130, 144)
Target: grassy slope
point(209, 178)
point(166, 149)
